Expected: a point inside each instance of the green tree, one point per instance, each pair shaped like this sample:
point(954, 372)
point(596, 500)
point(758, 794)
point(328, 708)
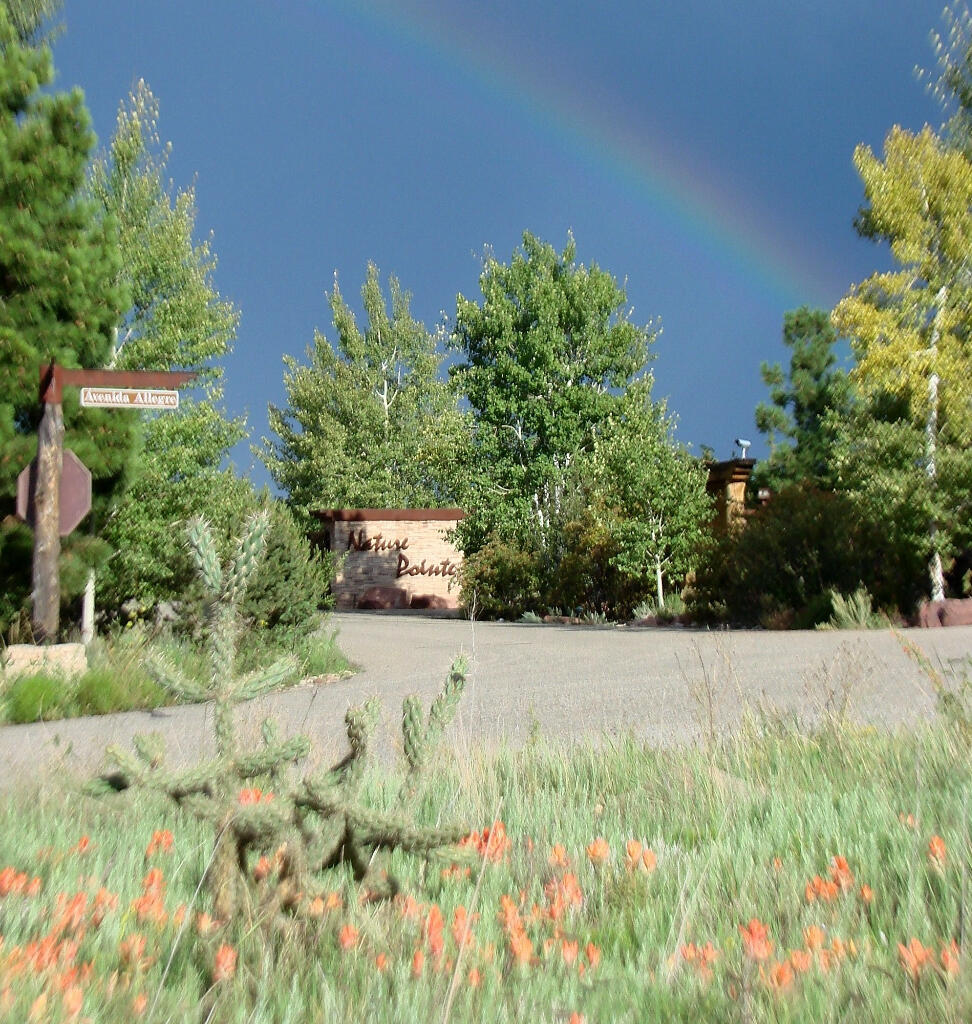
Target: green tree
point(176, 320)
point(28, 18)
point(369, 421)
point(804, 404)
point(60, 293)
point(909, 327)
point(546, 357)
point(651, 492)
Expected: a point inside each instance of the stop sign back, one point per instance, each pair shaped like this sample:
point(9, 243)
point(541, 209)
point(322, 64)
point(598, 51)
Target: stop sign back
point(75, 492)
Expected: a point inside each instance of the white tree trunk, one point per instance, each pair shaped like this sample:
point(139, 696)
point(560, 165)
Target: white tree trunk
point(931, 449)
point(88, 609)
point(658, 583)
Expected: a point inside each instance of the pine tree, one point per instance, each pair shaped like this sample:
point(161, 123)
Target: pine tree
point(60, 293)
point(803, 402)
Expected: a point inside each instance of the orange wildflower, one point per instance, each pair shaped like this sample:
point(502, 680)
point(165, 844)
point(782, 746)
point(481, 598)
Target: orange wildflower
point(224, 963)
point(521, 947)
point(914, 958)
point(381, 962)
point(262, 869)
point(139, 1004)
point(71, 1001)
point(907, 820)
point(38, 1007)
point(462, 925)
point(432, 931)
point(12, 881)
point(33, 887)
point(569, 951)
point(558, 857)
point(316, 907)
point(819, 889)
point(936, 851)
point(593, 955)
point(577, 1018)
point(781, 976)
point(509, 914)
point(84, 844)
point(348, 937)
point(562, 895)
point(132, 950)
point(474, 978)
point(801, 960)
point(639, 858)
point(777, 865)
point(492, 844)
point(950, 958)
point(598, 852)
point(814, 937)
point(841, 873)
point(867, 894)
point(333, 901)
point(253, 796)
point(205, 924)
point(701, 956)
point(756, 940)
point(418, 962)
point(161, 840)
point(408, 906)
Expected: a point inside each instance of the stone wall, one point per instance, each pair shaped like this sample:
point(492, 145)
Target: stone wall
point(393, 558)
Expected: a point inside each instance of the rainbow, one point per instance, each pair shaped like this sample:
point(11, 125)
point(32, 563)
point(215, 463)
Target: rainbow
point(744, 240)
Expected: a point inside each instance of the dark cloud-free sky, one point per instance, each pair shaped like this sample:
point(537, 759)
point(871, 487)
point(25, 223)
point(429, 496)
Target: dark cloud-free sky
point(699, 151)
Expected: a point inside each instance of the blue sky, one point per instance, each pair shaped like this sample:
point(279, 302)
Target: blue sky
point(700, 152)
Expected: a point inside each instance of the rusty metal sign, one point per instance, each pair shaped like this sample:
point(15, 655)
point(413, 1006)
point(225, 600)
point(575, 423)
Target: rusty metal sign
point(75, 492)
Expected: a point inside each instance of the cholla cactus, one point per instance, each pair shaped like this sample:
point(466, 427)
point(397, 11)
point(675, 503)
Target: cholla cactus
point(313, 825)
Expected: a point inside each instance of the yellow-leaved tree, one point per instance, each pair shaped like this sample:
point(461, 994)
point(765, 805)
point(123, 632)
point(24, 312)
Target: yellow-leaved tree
point(909, 327)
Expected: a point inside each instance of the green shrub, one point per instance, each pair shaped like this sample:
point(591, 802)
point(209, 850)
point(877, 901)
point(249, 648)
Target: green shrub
point(587, 578)
point(854, 612)
point(502, 580)
point(780, 567)
point(291, 584)
point(103, 690)
point(35, 698)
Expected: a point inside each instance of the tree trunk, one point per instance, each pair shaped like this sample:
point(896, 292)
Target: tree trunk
point(658, 583)
point(931, 447)
point(88, 609)
point(47, 515)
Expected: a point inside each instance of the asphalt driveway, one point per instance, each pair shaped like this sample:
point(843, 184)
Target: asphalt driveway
point(571, 683)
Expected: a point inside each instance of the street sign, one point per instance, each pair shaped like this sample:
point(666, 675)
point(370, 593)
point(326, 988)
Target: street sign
point(75, 493)
point(129, 398)
point(55, 508)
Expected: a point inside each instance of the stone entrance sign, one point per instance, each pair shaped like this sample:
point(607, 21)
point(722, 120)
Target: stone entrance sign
point(393, 557)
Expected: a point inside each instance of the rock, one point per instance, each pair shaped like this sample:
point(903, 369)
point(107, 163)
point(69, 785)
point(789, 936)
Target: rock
point(953, 611)
point(166, 612)
point(59, 659)
point(433, 602)
point(383, 598)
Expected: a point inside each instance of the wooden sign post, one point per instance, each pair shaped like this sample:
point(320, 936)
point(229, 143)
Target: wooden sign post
point(105, 385)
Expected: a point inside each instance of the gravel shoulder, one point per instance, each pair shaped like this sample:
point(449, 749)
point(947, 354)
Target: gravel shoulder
point(570, 683)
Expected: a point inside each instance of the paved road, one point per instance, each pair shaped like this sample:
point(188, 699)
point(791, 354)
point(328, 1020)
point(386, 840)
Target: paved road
point(571, 683)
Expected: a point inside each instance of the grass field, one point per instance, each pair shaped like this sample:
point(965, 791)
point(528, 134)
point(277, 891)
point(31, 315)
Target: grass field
point(117, 680)
point(773, 876)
